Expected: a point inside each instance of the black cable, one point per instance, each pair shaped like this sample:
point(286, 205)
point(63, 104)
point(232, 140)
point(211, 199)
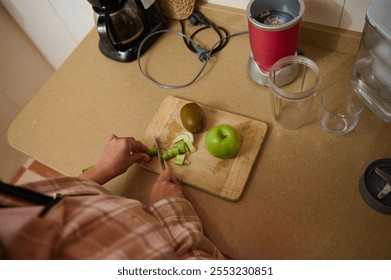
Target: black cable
point(199, 50)
point(203, 54)
point(197, 18)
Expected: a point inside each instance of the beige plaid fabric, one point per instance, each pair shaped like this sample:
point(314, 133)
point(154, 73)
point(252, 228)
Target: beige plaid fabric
point(92, 223)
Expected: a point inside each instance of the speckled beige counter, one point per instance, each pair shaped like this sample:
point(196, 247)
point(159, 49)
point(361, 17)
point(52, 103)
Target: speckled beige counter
point(301, 200)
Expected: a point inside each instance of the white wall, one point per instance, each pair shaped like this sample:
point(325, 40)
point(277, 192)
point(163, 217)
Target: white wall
point(345, 14)
point(55, 26)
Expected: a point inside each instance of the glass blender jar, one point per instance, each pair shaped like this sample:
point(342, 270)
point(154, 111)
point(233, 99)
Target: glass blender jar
point(371, 75)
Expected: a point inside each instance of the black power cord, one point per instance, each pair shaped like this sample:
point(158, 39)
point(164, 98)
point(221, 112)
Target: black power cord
point(199, 50)
point(203, 54)
point(198, 18)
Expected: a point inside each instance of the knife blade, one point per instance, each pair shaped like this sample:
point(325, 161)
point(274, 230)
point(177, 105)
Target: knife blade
point(159, 153)
point(387, 187)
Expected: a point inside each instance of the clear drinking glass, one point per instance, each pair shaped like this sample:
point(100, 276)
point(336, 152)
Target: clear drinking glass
point(340, 109)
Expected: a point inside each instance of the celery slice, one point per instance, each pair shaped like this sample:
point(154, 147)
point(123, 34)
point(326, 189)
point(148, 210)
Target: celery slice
point(182, 147)
point(190, 146)
point(180, 159)
point(184, 136)
point(151, 151)
point(175, 150)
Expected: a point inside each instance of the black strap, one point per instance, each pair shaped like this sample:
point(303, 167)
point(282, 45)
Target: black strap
point(34, 197)
point(25, 194)
point(30, 196)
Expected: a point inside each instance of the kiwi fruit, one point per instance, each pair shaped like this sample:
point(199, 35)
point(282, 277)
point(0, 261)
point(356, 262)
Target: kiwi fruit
point(192, 117)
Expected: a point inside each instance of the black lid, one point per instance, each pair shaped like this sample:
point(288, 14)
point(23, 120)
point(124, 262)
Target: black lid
point(107, 5)
point(371, 184)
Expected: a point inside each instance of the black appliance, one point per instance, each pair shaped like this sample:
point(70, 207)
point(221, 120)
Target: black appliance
point(123, 24)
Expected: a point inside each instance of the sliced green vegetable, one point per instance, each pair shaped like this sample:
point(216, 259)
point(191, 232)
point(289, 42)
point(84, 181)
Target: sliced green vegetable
point(167, 156)
point(190, 146)
point(184, 136)
point(182, 147)
point(180, 159)
point(151, 151)
point(175, 150)
point(85, 169)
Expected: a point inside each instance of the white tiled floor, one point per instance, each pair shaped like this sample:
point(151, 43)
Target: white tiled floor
point(25, 75)
point(23, 70)
point(26, 175)
point(33, 171)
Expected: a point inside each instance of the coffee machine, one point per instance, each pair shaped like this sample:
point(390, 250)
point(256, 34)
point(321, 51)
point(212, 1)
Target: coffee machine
point(123, 24)
point(274, 30)
point(371, 75)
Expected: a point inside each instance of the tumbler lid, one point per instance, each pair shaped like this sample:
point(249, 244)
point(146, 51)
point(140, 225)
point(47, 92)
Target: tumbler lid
point(294, 77)
point(275, 15)
point(371, 184)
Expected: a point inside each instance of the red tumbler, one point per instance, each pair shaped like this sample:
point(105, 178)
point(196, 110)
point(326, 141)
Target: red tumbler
point(274, 30)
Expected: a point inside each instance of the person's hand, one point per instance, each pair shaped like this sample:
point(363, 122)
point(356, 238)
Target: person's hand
point(118, 155)
point(166, 186)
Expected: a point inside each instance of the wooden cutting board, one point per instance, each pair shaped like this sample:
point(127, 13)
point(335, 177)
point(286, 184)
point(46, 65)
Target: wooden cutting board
point(225, 178)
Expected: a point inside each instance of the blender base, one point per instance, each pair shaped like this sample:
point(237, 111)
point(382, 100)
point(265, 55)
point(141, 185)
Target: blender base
point(256, 73)
point(284, 76)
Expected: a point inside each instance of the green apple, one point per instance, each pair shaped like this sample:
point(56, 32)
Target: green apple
point(223, 141)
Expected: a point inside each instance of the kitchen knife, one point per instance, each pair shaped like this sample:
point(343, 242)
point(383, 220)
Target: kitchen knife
point(387, 187)
point(159, 153)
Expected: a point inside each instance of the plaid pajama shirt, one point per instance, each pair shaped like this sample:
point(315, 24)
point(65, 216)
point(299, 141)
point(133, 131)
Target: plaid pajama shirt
point(91, 223)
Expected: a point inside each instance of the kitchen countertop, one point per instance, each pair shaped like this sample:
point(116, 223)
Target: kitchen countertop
point(302, 198)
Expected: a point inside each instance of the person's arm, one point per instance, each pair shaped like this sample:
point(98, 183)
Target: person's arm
point(168, 204)
point(118, 155)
